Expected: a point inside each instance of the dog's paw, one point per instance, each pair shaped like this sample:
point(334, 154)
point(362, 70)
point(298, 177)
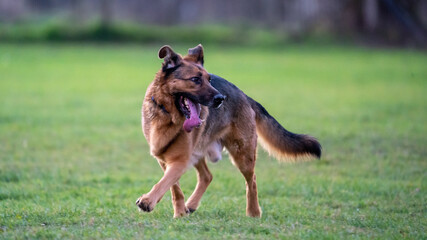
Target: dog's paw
point(190, 209)
point(144, 204)
point(184, 212)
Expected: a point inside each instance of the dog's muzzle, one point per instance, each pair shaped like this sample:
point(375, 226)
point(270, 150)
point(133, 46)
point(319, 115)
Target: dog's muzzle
point(218, 100)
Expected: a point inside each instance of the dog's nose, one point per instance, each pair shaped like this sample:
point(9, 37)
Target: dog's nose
point(218, 100)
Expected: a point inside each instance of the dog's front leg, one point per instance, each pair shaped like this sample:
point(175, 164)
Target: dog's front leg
point(204, 178)
point(178, 199)
point(171, 175)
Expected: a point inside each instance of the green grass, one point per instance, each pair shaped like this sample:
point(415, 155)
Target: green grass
point(73, 159)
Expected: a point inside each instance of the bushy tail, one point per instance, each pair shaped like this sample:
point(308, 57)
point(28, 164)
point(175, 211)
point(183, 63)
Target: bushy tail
point(281, 143)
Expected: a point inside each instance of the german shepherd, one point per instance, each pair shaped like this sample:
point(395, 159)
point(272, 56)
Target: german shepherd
point(189, 115)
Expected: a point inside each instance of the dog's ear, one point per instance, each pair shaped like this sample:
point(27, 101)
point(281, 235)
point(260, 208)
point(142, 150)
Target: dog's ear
point(197, 54)
point(171, 59)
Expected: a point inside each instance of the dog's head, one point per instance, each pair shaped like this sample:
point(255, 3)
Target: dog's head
point(187, 80)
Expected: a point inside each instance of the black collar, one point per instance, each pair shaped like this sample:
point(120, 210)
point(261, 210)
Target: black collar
point(160, 106)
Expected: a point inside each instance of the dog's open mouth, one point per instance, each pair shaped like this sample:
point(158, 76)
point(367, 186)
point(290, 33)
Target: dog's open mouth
point(191, 112)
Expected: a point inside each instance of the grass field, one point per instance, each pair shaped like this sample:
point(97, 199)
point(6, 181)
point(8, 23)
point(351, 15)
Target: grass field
point(73, 159)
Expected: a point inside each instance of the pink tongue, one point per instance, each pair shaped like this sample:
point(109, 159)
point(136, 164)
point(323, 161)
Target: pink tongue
point(194, 120)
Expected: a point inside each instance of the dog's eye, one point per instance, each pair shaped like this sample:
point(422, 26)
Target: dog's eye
point(196, 80)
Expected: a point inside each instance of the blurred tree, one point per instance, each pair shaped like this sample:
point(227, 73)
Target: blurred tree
point(370, 14)
point(77, 12)
point(106, 13)
point(396, 21)
point(12, 11)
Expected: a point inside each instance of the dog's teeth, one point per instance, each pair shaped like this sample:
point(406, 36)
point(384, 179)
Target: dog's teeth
point(186, 103)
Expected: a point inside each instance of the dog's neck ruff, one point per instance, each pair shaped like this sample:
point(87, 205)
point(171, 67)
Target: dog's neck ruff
point(159, 105)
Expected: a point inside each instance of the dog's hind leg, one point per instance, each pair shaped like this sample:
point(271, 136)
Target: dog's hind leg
point(243, 151)
point(204, 178)
point(252, 205)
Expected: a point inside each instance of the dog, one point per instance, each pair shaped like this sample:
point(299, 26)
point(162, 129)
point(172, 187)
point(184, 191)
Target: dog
point(189, 115)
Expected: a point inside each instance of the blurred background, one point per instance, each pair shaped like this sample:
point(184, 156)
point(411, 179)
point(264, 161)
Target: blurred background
point(352, 73)
point(373, 22)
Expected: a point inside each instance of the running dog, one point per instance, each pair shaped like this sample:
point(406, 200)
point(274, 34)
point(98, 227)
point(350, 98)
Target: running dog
point(189, 115)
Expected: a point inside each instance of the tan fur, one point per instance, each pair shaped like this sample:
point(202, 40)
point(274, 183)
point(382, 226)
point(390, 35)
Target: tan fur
point(234, 126)
point(281, 155)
